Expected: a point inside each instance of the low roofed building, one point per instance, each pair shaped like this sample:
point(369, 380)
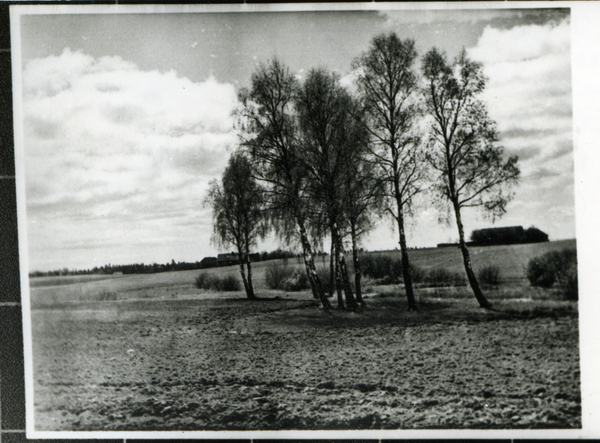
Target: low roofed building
point(233, 258)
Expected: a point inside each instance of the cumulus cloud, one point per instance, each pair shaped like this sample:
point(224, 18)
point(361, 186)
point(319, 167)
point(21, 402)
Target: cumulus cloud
point(522, 43)
point(109, 149)
point(529, 95)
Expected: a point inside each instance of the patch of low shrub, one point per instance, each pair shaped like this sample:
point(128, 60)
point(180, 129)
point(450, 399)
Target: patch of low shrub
point(212, 282)
point(569, 284)
point(229, 283)
point(276, 274)
point(387, 270)
point(555, 269)
point(442, 277)
point(298, 281)
point(204, 281)
point(286, 278)
point(417, 274)
point(540, 273)
point(489, 275)
point(382, 268)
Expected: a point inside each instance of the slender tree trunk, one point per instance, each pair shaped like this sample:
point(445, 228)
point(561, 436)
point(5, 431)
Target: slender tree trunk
point(251, 293)
point(357, 274)
point(309, 262)
point(311, 281)
point(313, 288)
point(410, 296)
point(332, 274)
point(483, 302)
point(244, 280)
point(338, 283)
point(350, 300)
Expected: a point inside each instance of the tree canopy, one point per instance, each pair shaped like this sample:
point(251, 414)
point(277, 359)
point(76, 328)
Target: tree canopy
point(270, 134)
point(238, 212)
point(329, 159)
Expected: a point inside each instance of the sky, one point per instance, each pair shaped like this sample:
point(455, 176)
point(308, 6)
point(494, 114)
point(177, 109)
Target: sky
point(127, 117)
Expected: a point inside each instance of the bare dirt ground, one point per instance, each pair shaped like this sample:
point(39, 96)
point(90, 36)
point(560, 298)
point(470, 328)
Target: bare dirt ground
point(230, 364)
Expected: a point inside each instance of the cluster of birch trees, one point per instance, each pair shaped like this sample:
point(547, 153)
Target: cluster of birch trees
point(317, 160)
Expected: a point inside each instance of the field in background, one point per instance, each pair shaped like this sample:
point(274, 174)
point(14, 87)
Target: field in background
point(67, 280)
point(511, 260)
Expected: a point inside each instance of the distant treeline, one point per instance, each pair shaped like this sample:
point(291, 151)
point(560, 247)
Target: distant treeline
point(134, 268)
point(142, 268)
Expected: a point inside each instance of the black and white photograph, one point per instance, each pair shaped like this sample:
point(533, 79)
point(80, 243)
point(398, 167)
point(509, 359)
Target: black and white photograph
point(321, 218)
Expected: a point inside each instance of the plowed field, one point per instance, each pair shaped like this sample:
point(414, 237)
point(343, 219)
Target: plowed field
point(226, 363)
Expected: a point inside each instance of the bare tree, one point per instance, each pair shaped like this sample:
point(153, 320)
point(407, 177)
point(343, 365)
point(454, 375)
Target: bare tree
point(269, 132)
point(388, 86)
point(462, 146)
point(238, 216)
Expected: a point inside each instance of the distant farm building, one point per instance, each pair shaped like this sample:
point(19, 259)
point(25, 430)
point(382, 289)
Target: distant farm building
point(208, 262)
point(509, 235)
point(232, 258)
point(498, 236)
